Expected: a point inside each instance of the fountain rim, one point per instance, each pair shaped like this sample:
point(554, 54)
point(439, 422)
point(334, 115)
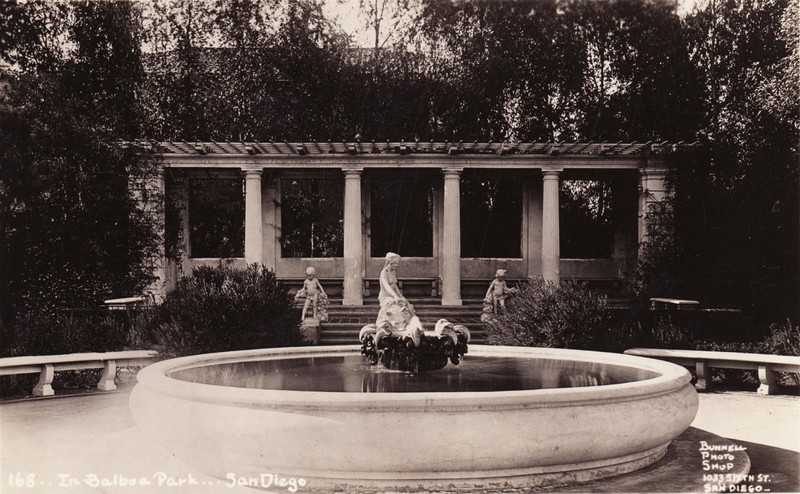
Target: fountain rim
point(156, 378)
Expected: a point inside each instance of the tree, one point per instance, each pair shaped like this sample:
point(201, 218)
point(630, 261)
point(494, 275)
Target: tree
point(640, 83)
point(72, 232)
point(736, 203)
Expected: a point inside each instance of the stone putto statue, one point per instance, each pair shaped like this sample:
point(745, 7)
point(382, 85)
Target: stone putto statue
point(495, 298)
point(315, 296)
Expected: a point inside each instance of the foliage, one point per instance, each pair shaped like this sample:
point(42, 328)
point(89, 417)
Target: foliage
point(669, 332)
point(594, 209)
point(76, 211)
point(55, 332)
point(312, 222)
point(70, 331)
point(728, 236)
point(402, 206)
point(784, 339)
point(547, 314)
point(736, 199)
point(492, 200)
point(219, 204)
point(222, 308)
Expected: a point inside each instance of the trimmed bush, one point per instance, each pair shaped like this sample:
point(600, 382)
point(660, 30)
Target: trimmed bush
point(547, 314)
point(222, 308)
point(570, 315)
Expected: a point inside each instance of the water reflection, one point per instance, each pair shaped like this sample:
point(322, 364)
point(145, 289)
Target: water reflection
point(352, 375)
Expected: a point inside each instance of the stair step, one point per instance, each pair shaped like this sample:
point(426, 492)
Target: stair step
point(427, 324)
point(348, 341)
point(373, 302)
point(354, 331)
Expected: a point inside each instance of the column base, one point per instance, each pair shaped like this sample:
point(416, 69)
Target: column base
point(453, 301)
point(352, 301)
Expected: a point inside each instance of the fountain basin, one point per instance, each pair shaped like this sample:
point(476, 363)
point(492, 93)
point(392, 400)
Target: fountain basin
point(418, 439)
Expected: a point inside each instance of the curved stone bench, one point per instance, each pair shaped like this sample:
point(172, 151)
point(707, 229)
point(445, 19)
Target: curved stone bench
point(47, 365)
point(766, 365)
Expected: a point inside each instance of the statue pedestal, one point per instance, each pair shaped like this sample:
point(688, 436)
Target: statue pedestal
point(310, 330)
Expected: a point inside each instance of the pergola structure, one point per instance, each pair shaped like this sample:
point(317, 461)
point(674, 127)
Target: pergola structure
point(540, 166)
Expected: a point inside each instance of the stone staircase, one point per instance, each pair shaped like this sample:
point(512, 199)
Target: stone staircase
point(344, 322)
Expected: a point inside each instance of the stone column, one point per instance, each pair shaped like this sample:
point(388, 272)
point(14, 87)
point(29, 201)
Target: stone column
point(532, 225)
point(438, 196)
point(159, 286)
point(270, 231)
point(252, 216)
point(652, 190)
point(182, 185)
point(551, 255)
point(451, 238)
point(353, 249)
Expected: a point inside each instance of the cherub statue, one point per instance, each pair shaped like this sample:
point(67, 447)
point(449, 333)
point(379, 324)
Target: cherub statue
point(498, 291)
point(315, 295)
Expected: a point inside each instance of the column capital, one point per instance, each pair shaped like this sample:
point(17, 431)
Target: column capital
point(452, 171)
point(653, 171)
point(551, 172)
point(253, 173)
point(352, 172)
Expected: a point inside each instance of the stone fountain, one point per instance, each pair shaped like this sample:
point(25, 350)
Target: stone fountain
point(509, 417)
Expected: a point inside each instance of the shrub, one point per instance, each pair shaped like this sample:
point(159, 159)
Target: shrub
point(221, 308)
point(783, 339)
point(665, 332)
point(69, 331)
point(547, 314)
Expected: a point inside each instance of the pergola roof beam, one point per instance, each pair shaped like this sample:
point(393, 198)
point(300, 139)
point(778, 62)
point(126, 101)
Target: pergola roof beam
point(433, 147)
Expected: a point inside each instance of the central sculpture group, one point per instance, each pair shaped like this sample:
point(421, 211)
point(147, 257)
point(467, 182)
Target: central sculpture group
point(397, 339)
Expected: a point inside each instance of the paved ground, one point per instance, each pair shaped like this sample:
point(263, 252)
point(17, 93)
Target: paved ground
point(63, 444)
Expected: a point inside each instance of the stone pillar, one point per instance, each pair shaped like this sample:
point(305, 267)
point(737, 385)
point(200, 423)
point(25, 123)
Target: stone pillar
point(353, 249)
point(551, 255)
point(252, 216)
point(182, 185)
point(159, 287)
point(438, 196)
point(532, 225)
point(451, 238)
point(270, 230)
point(652, 190)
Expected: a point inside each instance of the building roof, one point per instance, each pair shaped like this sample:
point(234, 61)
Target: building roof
point(416, 147)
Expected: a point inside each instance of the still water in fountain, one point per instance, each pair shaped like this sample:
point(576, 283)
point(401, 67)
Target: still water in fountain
point(351, 374)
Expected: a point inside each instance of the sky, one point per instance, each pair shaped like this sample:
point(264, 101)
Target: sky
point(346, 13)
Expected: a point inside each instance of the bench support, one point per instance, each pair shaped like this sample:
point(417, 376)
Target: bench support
point(107, 379)
point(703, 379)
point(769, 382)
point(44, 386)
